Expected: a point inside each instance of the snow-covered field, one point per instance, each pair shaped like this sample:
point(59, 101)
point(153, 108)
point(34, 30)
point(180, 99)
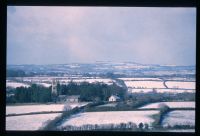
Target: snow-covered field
point(44, 84)
point(106, 81)
point(114, 117)
point(134, 90)
point(181, 130)
point(170, 104)
point(174, 91)
point(144, 84)
point(108, 105)
point(136, 79)
point(63, 80)
point(130, 67)
point(179, 117)
point(33, 108)
point(16, 84)
point(73, 105)
point(28, 122)
point(40, 108)
point(175, 84)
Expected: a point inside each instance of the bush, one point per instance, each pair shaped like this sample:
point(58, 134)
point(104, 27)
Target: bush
point(141, 125)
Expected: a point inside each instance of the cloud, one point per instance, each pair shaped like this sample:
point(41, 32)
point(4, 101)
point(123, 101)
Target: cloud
point(86, 34)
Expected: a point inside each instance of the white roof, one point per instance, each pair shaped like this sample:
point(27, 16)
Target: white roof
point(116, 97)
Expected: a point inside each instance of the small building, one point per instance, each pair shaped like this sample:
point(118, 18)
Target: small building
point(66, 98)
point(113, 98)
point(73, 98)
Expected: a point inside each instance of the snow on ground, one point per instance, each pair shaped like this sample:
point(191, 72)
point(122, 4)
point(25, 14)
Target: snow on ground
point(179, 117)
point(106, 81)
point(174, 91)
point(133, 90)
point(175, 84)
point(144, 84)
point(42, 80)
point(181, 130)
point(180, 79)
point(136, 79)
point(170, 104)
point(16, 84)
point(108, 105)
point(131, 67)
point(44, 84)
point(33, 108)
point(80, 104)
point(115, 117)
point(42, 107)
point(28, 122)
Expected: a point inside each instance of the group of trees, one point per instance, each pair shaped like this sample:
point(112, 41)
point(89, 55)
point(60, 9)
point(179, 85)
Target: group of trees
point(91, 91)
point(19, 73)
point(15, 73)
point(35, 93)
point(87, 92)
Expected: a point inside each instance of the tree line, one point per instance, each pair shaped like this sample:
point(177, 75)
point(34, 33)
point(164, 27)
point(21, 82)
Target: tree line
point(34, 93)
point(87, 92)
point(91, 91)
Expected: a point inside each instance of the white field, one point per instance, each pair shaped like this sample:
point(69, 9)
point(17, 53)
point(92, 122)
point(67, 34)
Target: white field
point(181, 130)
point(179, 117)
point(73, 105)
point(170, 104)
point(40, 108)
point(133, 90)
point(28, 122)
point(132, 79)
point(181, 79)
point(44, 84)
point(174, 91)
point(33, 108)
point(144, 84)
point(115, 117)
point(16, 84)
point(108, 105)
point(42, 80)
point(175, 84)
point(130, 66)
point(106, 81)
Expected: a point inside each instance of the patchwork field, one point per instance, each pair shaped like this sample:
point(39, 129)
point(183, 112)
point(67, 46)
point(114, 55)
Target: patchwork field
point(170, 104)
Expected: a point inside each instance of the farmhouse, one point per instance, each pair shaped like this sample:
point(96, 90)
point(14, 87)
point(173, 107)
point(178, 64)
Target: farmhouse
point(113, 98)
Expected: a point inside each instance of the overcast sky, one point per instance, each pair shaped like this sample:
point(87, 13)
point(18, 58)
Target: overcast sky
point(57, 35)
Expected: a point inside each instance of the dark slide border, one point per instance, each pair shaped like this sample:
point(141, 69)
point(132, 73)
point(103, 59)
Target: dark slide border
point(119, 3)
